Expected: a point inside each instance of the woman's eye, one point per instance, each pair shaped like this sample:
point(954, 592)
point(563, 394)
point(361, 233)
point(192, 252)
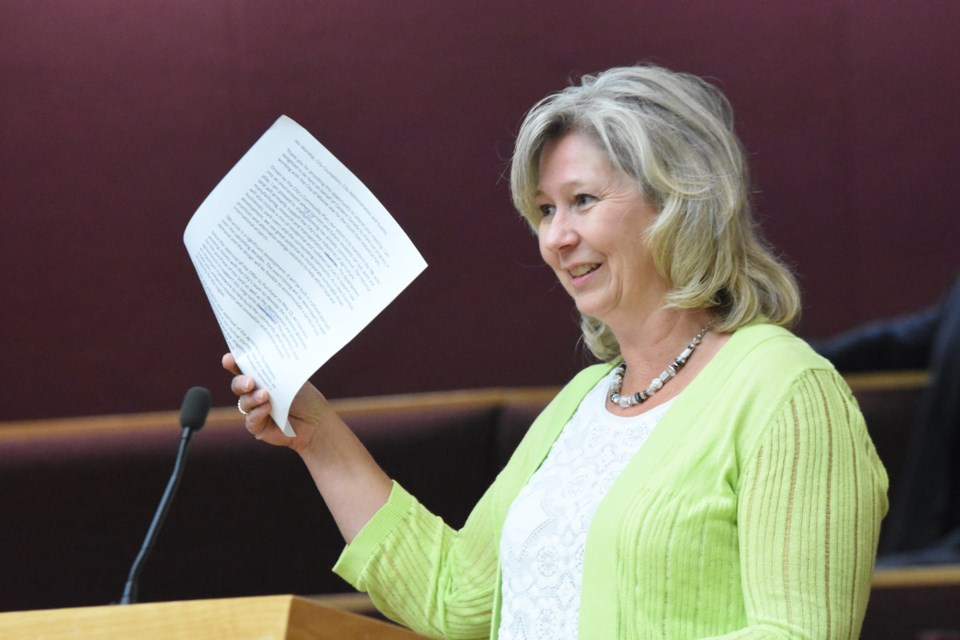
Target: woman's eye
point(547, 209)
point(583, 199)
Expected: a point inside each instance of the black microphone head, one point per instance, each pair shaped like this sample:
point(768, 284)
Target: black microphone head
point(196, 405)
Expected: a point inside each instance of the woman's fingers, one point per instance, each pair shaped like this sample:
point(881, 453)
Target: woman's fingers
point(256, 410)
point(262, 427)
point(242, 384)
point(257, 420)
point(254, 404)
point(249, 399)
point(230, 363)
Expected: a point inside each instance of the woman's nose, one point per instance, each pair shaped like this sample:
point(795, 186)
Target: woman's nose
point(557, 233)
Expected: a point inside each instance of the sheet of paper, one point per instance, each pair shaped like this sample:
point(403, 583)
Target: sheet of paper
point(296, 256)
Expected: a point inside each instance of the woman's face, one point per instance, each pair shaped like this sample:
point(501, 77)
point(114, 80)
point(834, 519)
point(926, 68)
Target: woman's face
point(592, 233)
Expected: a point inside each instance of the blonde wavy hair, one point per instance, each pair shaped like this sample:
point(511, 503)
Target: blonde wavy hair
point(673, 134)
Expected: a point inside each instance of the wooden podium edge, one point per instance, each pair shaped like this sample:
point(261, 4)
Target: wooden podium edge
point(277, 617)
point(312, 620)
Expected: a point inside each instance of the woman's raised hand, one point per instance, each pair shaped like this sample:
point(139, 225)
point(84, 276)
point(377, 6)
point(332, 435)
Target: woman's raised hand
point(306, 410)
point(349, 479)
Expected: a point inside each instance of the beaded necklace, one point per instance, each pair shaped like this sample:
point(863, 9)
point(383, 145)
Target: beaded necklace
point(657, 383)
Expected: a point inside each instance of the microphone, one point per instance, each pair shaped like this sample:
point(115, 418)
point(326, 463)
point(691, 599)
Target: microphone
point(193, 413)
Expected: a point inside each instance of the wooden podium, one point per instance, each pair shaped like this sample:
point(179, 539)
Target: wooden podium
point(262, 618)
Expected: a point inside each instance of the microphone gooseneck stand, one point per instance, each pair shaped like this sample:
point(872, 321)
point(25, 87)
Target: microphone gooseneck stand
point(193, 413)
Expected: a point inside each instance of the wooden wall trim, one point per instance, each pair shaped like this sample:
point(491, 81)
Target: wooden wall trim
point(372, 405)
point(931, 576)
point(229, 417)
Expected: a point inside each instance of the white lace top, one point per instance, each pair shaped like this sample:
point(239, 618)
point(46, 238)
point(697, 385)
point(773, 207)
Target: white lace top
point(541, 548)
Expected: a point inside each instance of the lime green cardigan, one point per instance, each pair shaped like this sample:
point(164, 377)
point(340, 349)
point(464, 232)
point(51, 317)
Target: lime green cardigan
point(752, 511)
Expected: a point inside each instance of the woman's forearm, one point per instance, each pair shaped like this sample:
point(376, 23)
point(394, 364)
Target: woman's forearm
point(350, 481)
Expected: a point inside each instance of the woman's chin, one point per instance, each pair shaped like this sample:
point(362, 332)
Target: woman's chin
point(592, 310)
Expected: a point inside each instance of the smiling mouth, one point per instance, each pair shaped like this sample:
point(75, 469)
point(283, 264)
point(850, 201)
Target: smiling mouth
point(583, 269)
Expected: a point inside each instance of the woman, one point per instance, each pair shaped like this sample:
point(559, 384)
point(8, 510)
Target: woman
point(736, 495)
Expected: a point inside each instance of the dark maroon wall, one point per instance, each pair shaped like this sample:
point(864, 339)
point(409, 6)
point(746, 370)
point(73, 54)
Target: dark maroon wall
point(118, 117)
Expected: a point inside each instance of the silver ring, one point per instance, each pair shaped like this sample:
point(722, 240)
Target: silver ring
point(240, 409)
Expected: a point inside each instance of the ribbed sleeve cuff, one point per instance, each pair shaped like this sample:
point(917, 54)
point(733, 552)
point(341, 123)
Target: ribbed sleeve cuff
point(357, 554)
